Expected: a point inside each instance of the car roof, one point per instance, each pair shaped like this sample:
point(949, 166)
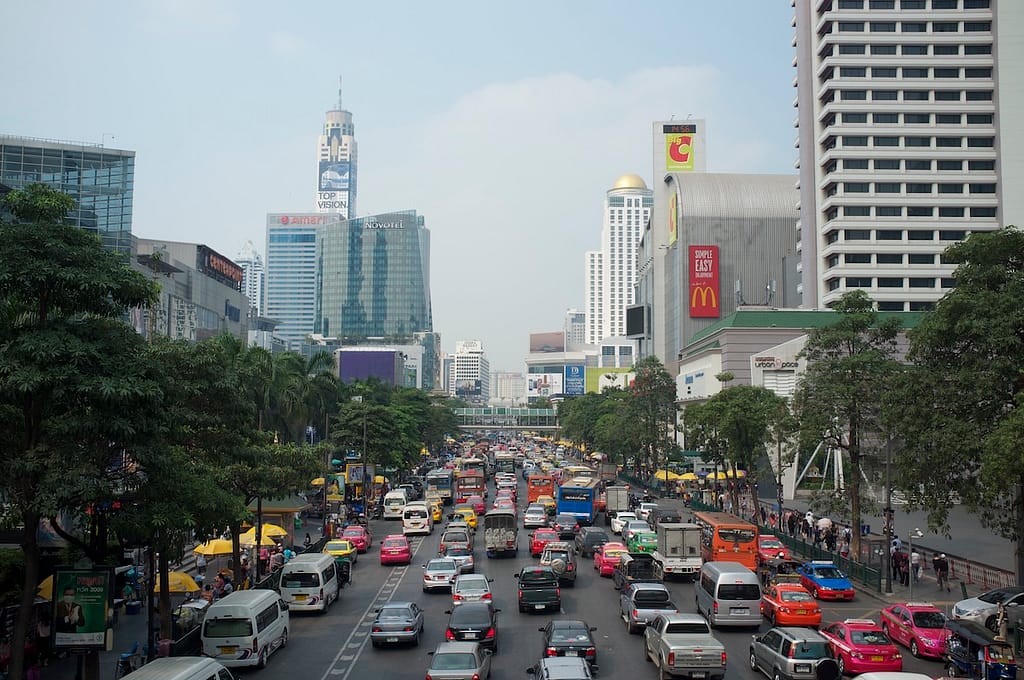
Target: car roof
point(569, 623)
point(917, 606)
point(456, 647)
point(565, 666)
point(859, 623)
point(798, 633)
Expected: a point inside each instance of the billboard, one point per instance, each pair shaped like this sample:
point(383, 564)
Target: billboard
point(82, 599)
point(705, 295)
point(332, 201)
point(680, 141)
point(216, 266)
point(547, 342)
point(575, 380)
point(597, 379)
point(543, 385)
point(333, 176)
point(673, 219)
point(468, 387)
point(358, 365)
point(355, 473)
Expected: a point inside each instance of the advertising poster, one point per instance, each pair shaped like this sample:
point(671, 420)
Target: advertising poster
point(81, 606)
point(334, 175)
point(705, 296)
point(679, 147)
point(467, 387)
point(547, 342)
point(673, 219)
point(598, 379)
point(543, 385)
point(575, 380)
point(354, 472)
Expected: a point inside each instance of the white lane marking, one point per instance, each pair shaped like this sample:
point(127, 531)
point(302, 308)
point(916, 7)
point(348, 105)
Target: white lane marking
point(349, 659)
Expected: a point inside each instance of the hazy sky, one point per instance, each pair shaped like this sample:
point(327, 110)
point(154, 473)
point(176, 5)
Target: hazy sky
point(503, 123)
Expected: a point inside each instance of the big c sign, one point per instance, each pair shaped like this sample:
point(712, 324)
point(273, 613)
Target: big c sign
point(705, 293)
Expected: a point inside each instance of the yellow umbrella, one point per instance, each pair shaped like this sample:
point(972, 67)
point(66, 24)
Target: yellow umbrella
point(218, 546)
point(249, 539)
point(666, 474)
point(319, 481)
point(269, 530)
point(45, 588)
point(739, 473)
point(689, 476)
point(717, 475)
point(178, 582)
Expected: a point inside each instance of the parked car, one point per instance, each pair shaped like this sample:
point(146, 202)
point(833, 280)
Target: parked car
point(471, 588)
point(860, 646)
point(395, 549)
point(473, 622)
point(459, 661)
point(539, 539)
point(439, 573)
point(919, 626)
point(824, 581)
point(397, 622)
point(569, 637)
point(984, 609)
point(607, 557)
point(789, 604)
point(784, 653)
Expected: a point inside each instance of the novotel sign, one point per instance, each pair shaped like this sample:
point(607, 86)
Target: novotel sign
point(773, 362)
point(384, 225)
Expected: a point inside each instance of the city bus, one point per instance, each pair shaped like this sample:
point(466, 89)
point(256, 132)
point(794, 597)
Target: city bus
point(440, 482)
point(578, 497)
point(470, 483)
point(726, 537)
point(504, 461)
point(580, 472)
point(539, 485)
point(475, 464)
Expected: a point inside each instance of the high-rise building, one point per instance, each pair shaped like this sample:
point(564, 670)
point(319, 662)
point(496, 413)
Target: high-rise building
point(575, 328)
point(610, 272)
point(374, 278)
point(508, 388)
point(337, 162)
point(253, 277)
point(470, 372)
point(101, 180)
point(908, 141)
point(290, 297)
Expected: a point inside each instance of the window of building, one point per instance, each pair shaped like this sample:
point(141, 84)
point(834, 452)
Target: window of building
point(915, 95)
point(947, 95)
point(884, 95)
point(877, 72)
point(884, 119)
point(918, 188)
point(831, 261)
point(889, 211)
point(947, 118)
point(851, 49)
point(922, 258)
point(980, 142)
point(986, 188)
point(945, 27)
point(979, 118)
point(949, 142)
point(883, 26)
point(981, 165)
point(889, 258)
point(914, 50)
point(890, 306)
point(832, 284)
point(832, 236)
point(950, 188)
point(857, 258)
point(851, 26)
point(917, 118)
point(853, 72)
point(977, 49)
point(921, 282)
point(976, 4)
point(913, 27)
point(857, 211)
point(918, 164)
point(887, 164)
point(915, 72)
point(832, 214)
point(920, 211)
point(890, 282)
point(851, 4)
point(886, 140)
point(917, 141)
point(855, 187)
point(979, 95)
point(944, 4)
point(946, 50)
point(946, 72)
point(947, 282)
point(912, 4)
point(887, 187)
point(952, 235)
point(977, 72)
point(920, 235)
point(951, 211)
point(855, 164)
point(882, 4)
point(853, 118)
point(858, 281)
point(977, 26)
point(853, 95)
point(857, 234)
point(883, 49)
point(889, 234)
point(983, 211)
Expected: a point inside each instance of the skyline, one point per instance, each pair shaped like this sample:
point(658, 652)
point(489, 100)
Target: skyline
point(504, 140)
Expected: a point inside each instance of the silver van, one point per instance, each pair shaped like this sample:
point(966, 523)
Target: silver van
point(183, 668)
point(309, 581)
point(728, 594)
point(245, 628)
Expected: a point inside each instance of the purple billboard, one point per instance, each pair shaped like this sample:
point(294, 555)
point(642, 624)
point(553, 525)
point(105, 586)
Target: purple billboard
point(385, 365)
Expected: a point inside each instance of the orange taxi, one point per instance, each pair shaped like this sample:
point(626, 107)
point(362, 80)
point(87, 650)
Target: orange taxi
point(789, 604)
point(608, 556)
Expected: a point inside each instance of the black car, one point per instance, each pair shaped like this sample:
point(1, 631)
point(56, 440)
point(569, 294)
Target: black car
point(590, 538)
point(473, 622)
point(664, 516)
point(569, 637)
point(566, 525)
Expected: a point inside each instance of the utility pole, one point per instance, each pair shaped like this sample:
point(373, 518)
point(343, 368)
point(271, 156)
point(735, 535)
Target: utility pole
point(889, 519)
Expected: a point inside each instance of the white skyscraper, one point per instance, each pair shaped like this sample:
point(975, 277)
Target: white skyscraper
point(470, 372)
point(337, 158)
point(909, 140)
point(610, 272)
point(253, 277)
point(575, 328)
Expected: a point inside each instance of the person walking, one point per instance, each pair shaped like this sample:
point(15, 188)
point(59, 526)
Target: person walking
point(915, 566)
point(942, 572)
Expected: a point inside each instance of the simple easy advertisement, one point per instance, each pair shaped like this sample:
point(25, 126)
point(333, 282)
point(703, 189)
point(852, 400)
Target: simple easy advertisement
point(705, 296)
point(81, 606)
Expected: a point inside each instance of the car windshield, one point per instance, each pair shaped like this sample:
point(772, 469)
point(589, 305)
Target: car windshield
point(614, 553)
point(930, 620)
point(695, 628)
point(810, 650)
point(546, 534)
point(829, 572)
point(574, 634)
point(869, 637)
point(736, 535)
point(471, 584)
point(394, 543)
point(536, 577)
point(996, 596)
point(339, 546)
point(453, 661)
point(227, 628)
point(415, 514)
point(458, 551)
point(394, 613)
point(739, 591)
point(353, 533)
point(650, 597)
point(557, 555)
point(771, 543)
point(795, 596)
point(456, 537)
point(467, 615)
point(301, 580)
point(441, 565)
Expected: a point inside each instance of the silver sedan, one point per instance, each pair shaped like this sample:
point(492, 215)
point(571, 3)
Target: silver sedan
point(397, 622)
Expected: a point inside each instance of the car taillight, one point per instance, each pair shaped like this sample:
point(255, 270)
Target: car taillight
point(449, 635)
point(321, 593)
point(723, 659)
point(671, 658)
point(714, 605)
point(255, 646)
point(520, 595)
point(407, 629)
point(456, 597)
point(591, 652)
point(551, 651)
point(792, 651)
point(377, 629)
point(486, 596)
point(558, 592)
point(490, 632)
point(476, 676)
point(428, 677)
point(569, 567)
point(636, 614)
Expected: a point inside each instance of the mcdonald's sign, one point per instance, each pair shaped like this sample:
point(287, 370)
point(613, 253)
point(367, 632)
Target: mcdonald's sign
point(705, 294)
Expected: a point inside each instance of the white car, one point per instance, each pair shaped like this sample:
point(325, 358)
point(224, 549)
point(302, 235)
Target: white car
point(471, 588)
point(620, 520)
point(633, 527)
point(645, 509)
point(535, 516)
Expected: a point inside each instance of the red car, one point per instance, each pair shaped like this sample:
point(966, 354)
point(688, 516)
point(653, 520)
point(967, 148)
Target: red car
point(504, 504)
point(789, 604)
point(917, 625)
point(607, 557)
point(771, 548)
point(359, 537)
point(478, 503)
point(539, 539)
point(860, 646)
point(395, 550)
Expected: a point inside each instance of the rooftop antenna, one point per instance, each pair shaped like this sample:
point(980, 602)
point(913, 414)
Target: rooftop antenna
point(339, 93)
point(672, 117)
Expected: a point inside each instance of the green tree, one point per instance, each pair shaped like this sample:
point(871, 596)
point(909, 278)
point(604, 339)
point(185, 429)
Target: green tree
point(617, 433)
point(73, 387)
point(654, 408)
point(578, 416)
point(839, 399)
point(960, 416)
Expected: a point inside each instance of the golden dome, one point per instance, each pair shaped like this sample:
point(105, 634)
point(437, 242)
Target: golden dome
point(630, 182)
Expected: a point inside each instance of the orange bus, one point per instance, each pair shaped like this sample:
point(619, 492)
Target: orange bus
point(539, 485)
point(727, 538)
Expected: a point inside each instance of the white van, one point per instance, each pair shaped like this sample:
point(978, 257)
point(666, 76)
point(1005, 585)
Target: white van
point(728, 594)
point(245, 628)
point(394, 501)
point(417, 519)
point(183, 668)
point(309, 582)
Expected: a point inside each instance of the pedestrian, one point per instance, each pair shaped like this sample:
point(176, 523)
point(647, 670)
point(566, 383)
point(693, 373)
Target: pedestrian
point(791, 522)
point(915, 566)
point(844, 548)
point(201, 564)
point(43, 637)
point(830, 539)
point(207, 593)
point(764, 516)
point(308, 541)
point(817, 537)
point(942, 572)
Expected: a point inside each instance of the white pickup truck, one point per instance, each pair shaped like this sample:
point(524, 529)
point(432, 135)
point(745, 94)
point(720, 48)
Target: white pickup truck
point(682, 646)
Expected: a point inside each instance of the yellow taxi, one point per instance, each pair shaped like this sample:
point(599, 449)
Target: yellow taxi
point(548, 502)
point(436, 506)
point(342, 550)
point(468, 514)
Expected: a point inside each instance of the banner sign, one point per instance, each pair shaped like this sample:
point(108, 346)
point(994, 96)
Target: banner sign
point(81, 608)
point(673, 219)
point(575, 382)
point(354, 472)
point(679, 143)
point(705, 296)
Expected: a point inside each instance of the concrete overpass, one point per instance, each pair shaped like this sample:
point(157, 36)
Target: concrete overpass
point(507, 418)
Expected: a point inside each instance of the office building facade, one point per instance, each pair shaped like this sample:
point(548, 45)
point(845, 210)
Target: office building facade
point(575, 328)
point(469, 375)
point(290, 297)
point(337, 163)
point(610, 272)
point(374, 278)
point(100, 179)
point(253, 277)
point(908, 141)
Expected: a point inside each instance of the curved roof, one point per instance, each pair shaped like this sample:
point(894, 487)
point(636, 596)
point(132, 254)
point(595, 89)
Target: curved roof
point(630, 182)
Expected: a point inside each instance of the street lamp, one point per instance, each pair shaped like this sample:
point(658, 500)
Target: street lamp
point(916, 533)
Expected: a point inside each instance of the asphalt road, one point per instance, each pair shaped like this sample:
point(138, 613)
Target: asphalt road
point(335, 646)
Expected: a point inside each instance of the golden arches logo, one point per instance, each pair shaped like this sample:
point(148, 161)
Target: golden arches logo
point(705, 293)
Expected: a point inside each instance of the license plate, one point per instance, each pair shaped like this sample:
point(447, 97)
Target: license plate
point(300, 598)
point(697, 674)
point(739, 612)
point(803, 668)
point(538, 606)
point(228, 650)
point(392, 639)
point(801, 611)
point(470, 636)
point(877, 658)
